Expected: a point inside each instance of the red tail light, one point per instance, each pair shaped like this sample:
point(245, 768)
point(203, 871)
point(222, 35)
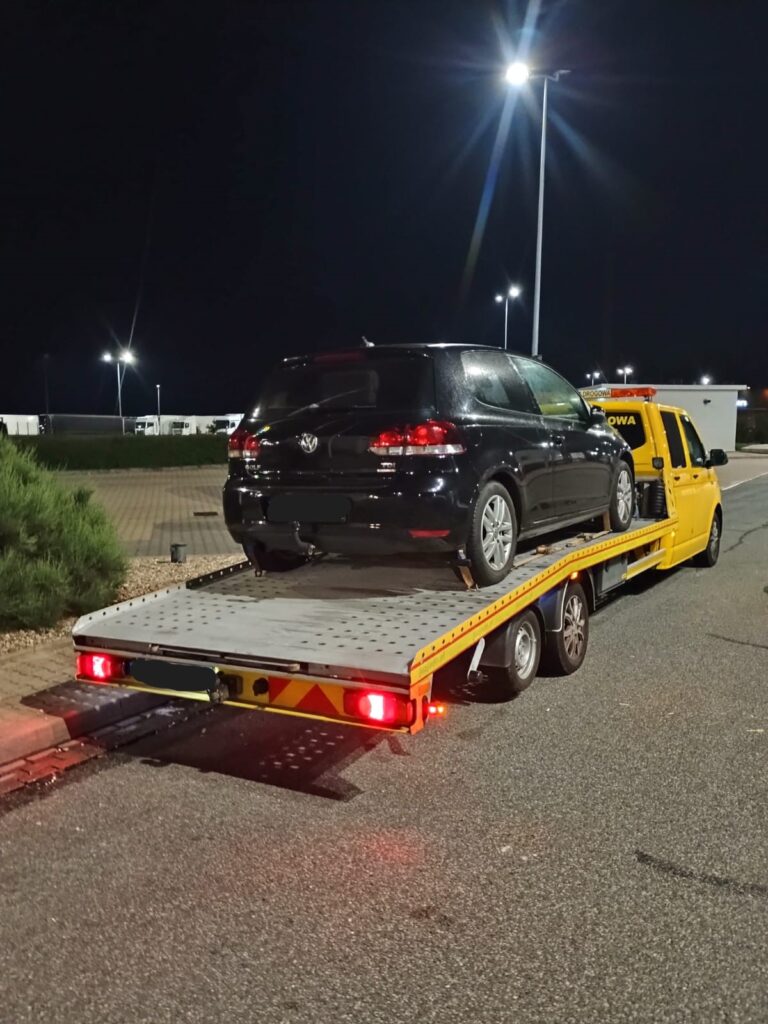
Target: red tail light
point(430, 438)
point(242, 445)
point(100, 668)
point(378, 708)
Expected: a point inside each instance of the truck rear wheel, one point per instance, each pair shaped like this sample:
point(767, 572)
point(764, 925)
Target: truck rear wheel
point(565, 650)
point(709, 556)
point(525, 645)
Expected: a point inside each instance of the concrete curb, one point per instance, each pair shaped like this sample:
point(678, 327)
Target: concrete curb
point(63, 713)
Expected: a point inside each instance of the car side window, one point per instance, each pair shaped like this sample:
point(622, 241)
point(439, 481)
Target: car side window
point(674, 439)
point(554, 395)
point(696, 449)
point(491, 378)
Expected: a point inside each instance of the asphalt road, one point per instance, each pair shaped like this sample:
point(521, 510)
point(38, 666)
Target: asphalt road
point(594, 851)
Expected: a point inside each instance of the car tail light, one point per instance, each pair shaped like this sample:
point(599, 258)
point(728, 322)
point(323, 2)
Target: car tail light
point(432, 437)
point(378, 708)
point(242, 445)
point(100, 668)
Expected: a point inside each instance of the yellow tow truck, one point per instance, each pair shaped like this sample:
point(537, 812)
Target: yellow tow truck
point(367, 644)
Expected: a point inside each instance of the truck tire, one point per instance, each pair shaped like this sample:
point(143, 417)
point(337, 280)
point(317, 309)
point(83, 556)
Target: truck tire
point(526, 654)
point(709, 556)
point(492, 540)
point(622, 499)
point(268, 560)
point(565, 651)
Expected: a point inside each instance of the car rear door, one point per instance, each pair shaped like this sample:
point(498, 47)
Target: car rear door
point(512, 435)
point(582, 457)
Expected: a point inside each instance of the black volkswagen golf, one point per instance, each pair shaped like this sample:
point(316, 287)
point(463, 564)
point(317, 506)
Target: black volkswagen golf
point(442, 448)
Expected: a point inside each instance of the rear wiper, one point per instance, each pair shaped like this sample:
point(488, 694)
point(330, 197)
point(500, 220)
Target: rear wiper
point(323, 401)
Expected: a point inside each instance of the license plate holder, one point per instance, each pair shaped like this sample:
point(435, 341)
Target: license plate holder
point(308, 508)
point(163, 675)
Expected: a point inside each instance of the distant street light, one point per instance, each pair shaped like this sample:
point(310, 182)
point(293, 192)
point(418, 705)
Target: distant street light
point(513, 292)
point(157, 386)
point(706, 381)
point(593, 375)
point(517, 75)
point(627, 371)
point(127, 358)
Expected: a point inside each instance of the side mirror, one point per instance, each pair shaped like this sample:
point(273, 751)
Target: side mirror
point(717, 457)
point(596, 415)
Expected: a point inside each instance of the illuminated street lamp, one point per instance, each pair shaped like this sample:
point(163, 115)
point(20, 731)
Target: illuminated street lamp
point(626, 371)
point(593, 375)
point(517, 75)
point(127, 358)
point(513, 292)
point(706, 381)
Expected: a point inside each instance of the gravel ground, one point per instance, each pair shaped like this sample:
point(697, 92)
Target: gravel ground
point(144, 575)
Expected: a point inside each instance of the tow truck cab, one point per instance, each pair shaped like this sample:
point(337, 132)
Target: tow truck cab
point(664, 436)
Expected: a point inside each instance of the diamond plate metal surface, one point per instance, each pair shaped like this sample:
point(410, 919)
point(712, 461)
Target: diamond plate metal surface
point(332, 614)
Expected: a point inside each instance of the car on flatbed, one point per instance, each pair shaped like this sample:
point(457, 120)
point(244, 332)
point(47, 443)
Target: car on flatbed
point(432, 448)
point(373, 643)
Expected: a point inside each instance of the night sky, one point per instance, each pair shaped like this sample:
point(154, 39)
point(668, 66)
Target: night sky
point(278, 176)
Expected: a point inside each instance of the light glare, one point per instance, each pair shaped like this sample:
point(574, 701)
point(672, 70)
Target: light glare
point(517, 73)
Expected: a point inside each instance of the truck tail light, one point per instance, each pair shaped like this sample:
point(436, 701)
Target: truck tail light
point(433, 437)
point(100, 668)
point(242, 445)
point(379, 708)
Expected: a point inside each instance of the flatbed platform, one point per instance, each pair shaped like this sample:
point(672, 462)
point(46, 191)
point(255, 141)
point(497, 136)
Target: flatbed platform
point(392, 623)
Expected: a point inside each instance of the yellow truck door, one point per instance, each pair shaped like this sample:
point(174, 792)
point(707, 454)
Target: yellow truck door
point(686, 487)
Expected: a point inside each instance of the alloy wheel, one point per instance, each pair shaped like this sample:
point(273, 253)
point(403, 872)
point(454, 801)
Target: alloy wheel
point(574, 620)
point(497, 532)
point(624, 495)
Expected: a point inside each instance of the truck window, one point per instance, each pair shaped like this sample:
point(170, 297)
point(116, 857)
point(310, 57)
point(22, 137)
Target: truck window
point(696, 449)
point(674, 440)
point(629, 424)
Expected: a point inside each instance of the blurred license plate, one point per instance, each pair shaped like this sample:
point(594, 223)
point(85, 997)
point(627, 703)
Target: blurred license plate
point(308, 508)
point(173, 677)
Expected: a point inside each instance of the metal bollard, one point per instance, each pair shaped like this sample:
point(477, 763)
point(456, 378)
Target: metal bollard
point(178, 553)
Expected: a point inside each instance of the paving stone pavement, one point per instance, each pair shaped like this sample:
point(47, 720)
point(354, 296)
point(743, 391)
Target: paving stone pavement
point(154, 508)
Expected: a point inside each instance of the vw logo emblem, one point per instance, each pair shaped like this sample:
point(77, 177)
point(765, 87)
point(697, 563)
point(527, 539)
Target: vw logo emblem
point(308, 443)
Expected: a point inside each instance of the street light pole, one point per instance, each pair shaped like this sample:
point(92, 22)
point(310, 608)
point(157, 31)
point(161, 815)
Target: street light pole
point(626, 371)
point(540, 224)
point(157, 386)
point(518, 74)
point(513, 292)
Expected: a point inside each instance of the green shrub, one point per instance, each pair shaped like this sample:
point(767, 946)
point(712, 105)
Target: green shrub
point(59, 554)
point(62, 451)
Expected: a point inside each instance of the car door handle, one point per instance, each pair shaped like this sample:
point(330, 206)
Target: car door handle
point(676, 478)
point(695, 476)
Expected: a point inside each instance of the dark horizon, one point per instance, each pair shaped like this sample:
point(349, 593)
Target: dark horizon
point(271, 178)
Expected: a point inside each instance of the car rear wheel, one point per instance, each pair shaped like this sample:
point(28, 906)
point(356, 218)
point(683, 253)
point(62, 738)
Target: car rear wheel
point(709, 556)
point(622, 499)
point(492, 538)
point(268, 560)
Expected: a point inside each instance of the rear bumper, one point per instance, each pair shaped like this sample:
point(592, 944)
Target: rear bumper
point(398, 519)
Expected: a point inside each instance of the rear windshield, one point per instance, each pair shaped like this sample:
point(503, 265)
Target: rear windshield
point(357, 382)
point(629, 424)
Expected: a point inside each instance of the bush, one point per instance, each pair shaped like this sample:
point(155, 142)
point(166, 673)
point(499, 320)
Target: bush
point(59, 554)
point(125, 452)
